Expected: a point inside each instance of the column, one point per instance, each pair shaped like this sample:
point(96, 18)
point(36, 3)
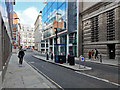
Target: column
point(79, 30)
point(59, 52)
point(48, 45)
point(40, 46)
point(53, 47)
point(67, 44)
point(0, 43)
point(45, 46)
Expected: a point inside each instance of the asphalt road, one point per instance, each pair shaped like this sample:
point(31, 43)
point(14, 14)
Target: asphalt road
point(107, 72)
point(66, 78)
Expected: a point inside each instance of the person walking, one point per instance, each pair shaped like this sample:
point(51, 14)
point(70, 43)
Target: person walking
point(96, 54)
point(89, 54)
point(92, 53)
point(20, 56)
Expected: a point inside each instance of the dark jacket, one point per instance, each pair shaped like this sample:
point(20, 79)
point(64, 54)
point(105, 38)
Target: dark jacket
point(21, 54)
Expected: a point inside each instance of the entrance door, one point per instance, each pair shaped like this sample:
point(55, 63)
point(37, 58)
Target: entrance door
point(111, 50)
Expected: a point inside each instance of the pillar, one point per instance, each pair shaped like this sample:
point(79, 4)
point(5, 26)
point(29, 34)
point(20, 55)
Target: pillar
point(67, 44)
point(53, 47)
point(45, 46)
point(0, 43)
point(79, 31)
point(49, 45)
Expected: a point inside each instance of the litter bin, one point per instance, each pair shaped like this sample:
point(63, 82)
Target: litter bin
point(71, 60)
point(62, 58)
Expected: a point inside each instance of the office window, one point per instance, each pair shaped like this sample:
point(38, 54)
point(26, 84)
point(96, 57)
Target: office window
point(94, 29)
point(110, 25)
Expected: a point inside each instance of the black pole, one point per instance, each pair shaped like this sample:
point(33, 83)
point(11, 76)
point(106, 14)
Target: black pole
point(56, 35)
point(56, 46)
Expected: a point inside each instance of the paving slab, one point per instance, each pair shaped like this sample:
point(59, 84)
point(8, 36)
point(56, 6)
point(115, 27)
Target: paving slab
point(24, 76)
point(112, 62)
point(75, 67)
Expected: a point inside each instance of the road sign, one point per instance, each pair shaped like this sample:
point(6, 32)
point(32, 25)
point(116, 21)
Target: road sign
point(82, 58)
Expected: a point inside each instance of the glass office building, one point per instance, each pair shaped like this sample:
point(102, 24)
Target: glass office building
point(6, 9)
point(55, 16)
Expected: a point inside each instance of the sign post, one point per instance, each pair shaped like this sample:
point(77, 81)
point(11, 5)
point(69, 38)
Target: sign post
point(83, 60)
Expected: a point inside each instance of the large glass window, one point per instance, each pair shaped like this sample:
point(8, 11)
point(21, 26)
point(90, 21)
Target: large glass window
point(59, 3)
point(54, 13)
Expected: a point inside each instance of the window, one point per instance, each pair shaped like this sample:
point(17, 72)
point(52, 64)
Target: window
point(110, 25)
point(42, 45)
point(94, 29)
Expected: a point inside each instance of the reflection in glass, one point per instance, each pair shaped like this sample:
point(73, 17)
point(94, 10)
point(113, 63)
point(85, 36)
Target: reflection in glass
point(54, 16)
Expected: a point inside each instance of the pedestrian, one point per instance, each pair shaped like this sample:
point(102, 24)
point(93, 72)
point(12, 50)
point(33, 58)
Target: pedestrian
point(89, 54)
point(51, 56)
point(92, 53)
point(20, 56)
point(96, 54)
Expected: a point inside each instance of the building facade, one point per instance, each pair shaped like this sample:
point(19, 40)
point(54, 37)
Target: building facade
point(60, 27)
point(100, 29)
point(6, 19)
point(38, 33)
point(27, 36)
point(15, 32)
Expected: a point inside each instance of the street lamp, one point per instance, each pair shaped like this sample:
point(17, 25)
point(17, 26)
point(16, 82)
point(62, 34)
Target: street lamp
point(56, 41)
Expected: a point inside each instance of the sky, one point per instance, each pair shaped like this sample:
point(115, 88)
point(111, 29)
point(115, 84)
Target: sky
point(28, 11)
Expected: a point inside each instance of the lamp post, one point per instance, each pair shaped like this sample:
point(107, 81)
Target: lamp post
point(56, 42)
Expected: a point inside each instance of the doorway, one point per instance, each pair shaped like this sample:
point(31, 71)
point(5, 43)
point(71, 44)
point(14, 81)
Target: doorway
point(111, 51)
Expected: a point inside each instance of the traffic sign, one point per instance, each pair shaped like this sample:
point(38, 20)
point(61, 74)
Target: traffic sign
point(82, 58)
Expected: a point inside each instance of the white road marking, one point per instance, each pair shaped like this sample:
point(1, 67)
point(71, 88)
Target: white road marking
point(31, 62)
point(98, 78)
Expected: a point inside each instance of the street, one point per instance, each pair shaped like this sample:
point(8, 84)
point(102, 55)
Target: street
point(67, 78)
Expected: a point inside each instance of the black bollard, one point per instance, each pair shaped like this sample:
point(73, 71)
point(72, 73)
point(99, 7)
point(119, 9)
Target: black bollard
point(100, 58)
point(52, 56)
point(47, 57)
point(68, 58)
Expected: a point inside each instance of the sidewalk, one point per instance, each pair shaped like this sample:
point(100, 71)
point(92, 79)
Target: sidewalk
point(107, 62)
point(24, 76)
point(75, 67)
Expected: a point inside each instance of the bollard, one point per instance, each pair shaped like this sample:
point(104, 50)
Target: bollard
point(51, 56)
point(47, 57)
point(100, 58)
point(83, 60)
point(68, 57)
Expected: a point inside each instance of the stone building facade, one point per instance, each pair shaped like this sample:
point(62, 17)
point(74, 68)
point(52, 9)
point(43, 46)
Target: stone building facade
point(27, 36)
point(101, 29)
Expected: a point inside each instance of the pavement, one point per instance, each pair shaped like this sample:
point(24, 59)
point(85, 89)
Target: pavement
point(112, 62)
point(76, 67)
point(98, 77)
point(24, 76)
